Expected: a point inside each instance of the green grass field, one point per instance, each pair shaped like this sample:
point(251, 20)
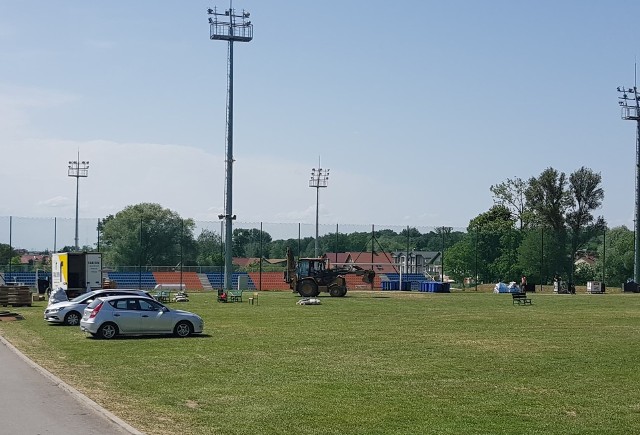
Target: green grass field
point(369, 363)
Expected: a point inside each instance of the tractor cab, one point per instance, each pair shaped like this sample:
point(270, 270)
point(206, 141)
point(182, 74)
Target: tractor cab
point(310, 267)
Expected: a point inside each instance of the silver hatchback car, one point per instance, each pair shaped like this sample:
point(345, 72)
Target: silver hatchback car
point(135, 315)
point(70, 312)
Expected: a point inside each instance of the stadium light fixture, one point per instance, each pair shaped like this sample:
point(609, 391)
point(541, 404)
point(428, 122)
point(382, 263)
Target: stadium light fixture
point(319, 178)
point(78, 169)
point(232, 28)
point(629, 104)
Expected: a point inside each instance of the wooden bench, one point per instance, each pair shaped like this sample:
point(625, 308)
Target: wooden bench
point(521, 299)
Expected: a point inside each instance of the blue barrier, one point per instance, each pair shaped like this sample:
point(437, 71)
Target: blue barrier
point(435, 287)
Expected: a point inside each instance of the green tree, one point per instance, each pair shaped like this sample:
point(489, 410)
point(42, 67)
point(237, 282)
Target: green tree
point(358, 241)
point(563, 210)
point(586, 197)
point(278, 248)
point(246, 242)
point(496, 254)
point(390, 241)
point(148, 234)
point(619, 258)
point(6, 253)
point(549, 198)
point(511, 194)
point(461, 259)
point(210, 249)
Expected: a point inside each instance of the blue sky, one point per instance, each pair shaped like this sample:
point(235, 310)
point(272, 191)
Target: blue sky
point(417, 107)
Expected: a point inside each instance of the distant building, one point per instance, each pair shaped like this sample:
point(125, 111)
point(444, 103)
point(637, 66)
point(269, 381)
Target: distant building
point(420, 262)
point(32, 259)
point(378, 262)
point(245, 262)
point(587, 259)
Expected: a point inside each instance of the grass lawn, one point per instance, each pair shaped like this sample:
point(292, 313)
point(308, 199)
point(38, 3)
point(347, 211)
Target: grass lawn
point(369, 363)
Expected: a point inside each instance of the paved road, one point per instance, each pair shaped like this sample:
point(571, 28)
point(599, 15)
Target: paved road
point(33, 402)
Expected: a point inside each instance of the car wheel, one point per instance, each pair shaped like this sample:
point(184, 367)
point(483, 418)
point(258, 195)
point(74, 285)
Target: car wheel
point(72, 318)
point(183, 329)
point(107, 331)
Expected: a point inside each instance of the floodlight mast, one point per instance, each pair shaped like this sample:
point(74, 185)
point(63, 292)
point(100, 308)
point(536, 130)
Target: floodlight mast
point(234, 27)
point(78, 169)
point(319, 178)
point(630, 111)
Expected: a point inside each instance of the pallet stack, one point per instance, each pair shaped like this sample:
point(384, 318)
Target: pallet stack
point(15, 295)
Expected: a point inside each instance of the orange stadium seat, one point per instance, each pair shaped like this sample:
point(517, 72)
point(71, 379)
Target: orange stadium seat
point(189, 279)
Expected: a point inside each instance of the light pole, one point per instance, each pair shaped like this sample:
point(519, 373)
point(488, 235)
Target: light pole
point(319, 178)
point(78, 169)
point(229, 26)
point(630, 111)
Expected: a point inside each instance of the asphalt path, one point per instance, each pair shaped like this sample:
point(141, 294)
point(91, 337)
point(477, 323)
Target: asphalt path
point(34, 401)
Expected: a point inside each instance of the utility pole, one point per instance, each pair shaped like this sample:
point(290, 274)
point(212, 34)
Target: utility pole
point(231, 27)
point(319, 178)
point(78, 169)
point(630, 111)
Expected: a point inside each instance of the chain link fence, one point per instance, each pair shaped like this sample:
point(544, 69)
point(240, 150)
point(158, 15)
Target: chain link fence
point(467, 256)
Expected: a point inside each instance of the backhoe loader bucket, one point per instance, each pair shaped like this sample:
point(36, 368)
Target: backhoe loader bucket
point(368, 276)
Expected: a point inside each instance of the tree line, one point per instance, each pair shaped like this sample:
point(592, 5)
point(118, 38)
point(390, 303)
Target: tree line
point(147, 234)
point(539, 228)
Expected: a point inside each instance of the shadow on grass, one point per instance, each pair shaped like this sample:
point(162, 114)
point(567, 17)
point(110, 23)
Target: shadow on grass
point(150, 337)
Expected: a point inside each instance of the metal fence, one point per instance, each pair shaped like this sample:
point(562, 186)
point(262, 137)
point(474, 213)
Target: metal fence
point(467, 255)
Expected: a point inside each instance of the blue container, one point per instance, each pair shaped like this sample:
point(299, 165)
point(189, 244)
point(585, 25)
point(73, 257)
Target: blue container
point(390, 285)
point(435, 287)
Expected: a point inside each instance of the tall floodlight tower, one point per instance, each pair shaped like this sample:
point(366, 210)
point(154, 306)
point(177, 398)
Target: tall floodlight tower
point(630, 111)
point(78, 169)
point(319, 178)
point(231, 27)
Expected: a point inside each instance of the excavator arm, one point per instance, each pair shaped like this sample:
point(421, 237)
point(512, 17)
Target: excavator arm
point(290, 272)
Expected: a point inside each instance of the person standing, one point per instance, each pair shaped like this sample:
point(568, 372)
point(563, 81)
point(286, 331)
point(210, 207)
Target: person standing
point(523, 284)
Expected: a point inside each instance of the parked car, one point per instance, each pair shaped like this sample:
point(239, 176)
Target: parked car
point(135, 315)
point(70, 312)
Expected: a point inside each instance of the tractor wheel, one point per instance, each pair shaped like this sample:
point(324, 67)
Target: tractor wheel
point(308, 288)
point(337, 291)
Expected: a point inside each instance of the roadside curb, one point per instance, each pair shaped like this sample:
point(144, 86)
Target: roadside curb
point(75, 393)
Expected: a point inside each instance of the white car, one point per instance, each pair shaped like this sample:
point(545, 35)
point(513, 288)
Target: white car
point(135, 315)
point(70, 312)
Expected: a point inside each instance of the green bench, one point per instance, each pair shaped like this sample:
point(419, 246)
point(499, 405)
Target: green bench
point(235, 296)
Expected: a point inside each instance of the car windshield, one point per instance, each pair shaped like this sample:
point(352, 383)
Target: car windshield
point(83, 296)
